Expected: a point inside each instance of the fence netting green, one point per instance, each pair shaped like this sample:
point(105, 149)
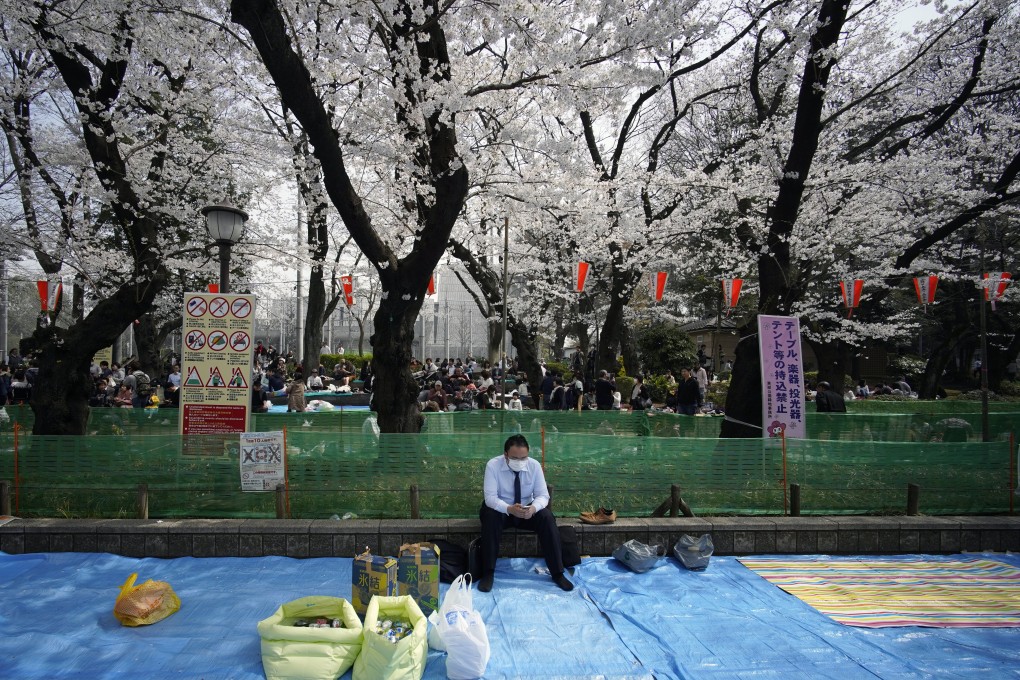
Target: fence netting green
point(369, 475)
point(902, 421)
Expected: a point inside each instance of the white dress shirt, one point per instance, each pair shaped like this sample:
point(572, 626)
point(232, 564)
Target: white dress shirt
point(499, 485)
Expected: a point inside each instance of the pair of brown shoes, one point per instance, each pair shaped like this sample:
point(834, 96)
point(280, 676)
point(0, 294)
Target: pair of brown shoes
point(600, 516)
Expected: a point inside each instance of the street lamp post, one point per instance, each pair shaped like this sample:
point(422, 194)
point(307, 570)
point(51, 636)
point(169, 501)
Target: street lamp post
point(226, 224)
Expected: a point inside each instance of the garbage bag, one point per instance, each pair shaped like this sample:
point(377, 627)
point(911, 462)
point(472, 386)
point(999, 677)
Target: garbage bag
point(148, 603)
point(290, 651)
point(382, 659)
point(637, 556)
point(694, 553)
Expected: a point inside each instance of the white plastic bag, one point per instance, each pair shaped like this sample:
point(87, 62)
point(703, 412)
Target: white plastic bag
point(467, 644)
point(460, 630)
point(458, 597)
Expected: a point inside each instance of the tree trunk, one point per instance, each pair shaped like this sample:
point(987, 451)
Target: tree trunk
point(395, 395)
point(559, 336)
point(432, 153)
point(60, 397)
point(147, 344)
point(778, 275)
point(747, 383)
point(628, 348)
point(61, 393)
point(527, 350)
point(999, 358)
point(314, 318)
point(834, 362)
point(495, 327)
point(938, 359)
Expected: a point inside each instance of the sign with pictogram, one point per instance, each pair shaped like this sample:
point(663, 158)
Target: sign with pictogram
point(219, 307)
point(240, 341)
point(197, 306)
point(215, 378)
point(193, 379)
point(194, 340)
point(218, 343)
point(241, 308)
point(237, 379)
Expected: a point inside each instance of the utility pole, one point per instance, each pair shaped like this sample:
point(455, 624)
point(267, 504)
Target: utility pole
point(985, 433)
point(506, 294)
point(299, 318)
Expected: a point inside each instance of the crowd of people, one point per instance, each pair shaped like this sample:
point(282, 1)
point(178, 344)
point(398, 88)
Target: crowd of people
point(445, 385)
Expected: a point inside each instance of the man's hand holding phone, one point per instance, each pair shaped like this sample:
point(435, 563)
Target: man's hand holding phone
point(522, 511)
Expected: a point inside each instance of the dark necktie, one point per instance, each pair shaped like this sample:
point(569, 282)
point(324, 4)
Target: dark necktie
point(517, 487)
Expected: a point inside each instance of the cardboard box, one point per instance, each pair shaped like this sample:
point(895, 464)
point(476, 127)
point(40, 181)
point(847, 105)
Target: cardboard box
point(418, 574)
point(372, 575)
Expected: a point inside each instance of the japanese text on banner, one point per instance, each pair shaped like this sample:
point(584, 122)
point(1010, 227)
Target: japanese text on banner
point(782, 376)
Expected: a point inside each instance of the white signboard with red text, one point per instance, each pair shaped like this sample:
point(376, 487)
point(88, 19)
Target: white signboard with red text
point(782, 377)
point(216, 360)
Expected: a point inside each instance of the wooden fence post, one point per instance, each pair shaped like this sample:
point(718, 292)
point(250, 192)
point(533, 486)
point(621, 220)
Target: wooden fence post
point(5, 497)
point(281, 501)
point(142, 501)
point(674, 500)
point(795, 500)
point(415, 503)
point(913, 498)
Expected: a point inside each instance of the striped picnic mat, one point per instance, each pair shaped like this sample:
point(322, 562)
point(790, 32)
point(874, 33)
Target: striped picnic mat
point(876, 593)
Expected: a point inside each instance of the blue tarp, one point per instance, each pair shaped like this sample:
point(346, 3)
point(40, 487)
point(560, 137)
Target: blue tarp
point(56, 621)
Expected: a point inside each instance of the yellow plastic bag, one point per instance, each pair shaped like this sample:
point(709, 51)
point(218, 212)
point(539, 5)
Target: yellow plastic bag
point(148, 603)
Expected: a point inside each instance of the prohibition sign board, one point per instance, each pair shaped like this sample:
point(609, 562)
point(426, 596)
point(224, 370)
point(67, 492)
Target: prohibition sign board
point(218, 341)
point(195, 340)
point(219, 307)
point(240, 308)
point(197, 306)
point(239, 341)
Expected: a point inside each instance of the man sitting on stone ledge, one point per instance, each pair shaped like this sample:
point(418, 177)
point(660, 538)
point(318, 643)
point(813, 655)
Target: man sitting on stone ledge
point(516, 495)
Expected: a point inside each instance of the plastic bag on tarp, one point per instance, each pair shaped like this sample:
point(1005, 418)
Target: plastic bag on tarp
point(458, 597)
point(460, 630)
point(637, 556)
point(148, 603)
point(694, 553)
point(381, 659)
point(290, 651)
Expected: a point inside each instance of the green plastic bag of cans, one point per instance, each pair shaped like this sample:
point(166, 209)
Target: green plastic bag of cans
point(317, 638)
point(387, 654)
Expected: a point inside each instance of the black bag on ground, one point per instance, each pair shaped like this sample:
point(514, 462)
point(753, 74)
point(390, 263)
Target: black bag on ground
point(474, 559)
point(453, 560)
point(571, 549)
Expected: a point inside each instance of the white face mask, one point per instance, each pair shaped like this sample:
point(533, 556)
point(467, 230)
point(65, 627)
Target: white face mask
point(518, 465)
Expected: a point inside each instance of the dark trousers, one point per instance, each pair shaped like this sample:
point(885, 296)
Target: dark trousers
point(542, 523)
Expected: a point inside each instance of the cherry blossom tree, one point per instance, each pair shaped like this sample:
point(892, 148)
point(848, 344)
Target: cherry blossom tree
point(124, 190)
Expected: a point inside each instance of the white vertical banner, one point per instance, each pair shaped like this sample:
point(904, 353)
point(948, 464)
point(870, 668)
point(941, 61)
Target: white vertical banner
point(782, 377)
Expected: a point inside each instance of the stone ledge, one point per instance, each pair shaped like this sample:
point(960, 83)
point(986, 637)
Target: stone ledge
point(346, 538)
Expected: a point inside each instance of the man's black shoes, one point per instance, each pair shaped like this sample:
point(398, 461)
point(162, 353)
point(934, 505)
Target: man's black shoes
point(562, 582)
point(485, 585)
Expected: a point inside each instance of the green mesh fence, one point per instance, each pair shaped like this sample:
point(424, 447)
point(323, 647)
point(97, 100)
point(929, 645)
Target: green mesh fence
point(903, 421)
point(370, 475)
point(943, 406)
point(845, 477)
